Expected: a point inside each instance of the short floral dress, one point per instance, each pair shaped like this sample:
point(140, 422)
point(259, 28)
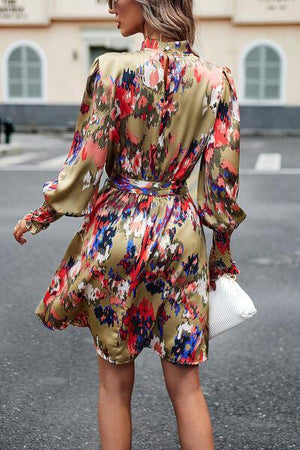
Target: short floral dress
point(137, 272)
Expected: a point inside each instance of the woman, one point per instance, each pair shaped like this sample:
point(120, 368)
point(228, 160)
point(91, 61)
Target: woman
point(136, 273)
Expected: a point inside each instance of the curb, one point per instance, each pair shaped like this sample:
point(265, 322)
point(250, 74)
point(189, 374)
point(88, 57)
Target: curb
point(9, 149)
point(243, 131)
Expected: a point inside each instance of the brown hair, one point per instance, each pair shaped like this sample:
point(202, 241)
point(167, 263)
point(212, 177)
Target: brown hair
point(174, 19)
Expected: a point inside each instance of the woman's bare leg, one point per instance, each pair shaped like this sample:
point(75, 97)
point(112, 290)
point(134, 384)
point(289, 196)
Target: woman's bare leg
point(114, 410)
point(193, 420)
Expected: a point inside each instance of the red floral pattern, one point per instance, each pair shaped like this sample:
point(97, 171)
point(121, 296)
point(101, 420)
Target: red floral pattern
point(136, 272)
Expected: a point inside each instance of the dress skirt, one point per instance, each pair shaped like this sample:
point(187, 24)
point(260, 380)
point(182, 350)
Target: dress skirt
point(136, 274)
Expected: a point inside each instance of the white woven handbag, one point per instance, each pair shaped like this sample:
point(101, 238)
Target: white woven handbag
point(229, 305)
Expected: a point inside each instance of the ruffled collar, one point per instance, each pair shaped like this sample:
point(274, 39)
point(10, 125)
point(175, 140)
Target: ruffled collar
point(172, 46)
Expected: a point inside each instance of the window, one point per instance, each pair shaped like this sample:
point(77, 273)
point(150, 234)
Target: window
point(99, 41)
point(96, 50)
point(24, 80)
point(262, 73)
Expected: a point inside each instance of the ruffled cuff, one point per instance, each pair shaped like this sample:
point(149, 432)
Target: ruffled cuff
point(41, 218)
point(220, 260)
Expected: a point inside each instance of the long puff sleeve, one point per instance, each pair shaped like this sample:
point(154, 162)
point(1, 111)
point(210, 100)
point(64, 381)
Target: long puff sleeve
point(218, 180)
point(72, 192)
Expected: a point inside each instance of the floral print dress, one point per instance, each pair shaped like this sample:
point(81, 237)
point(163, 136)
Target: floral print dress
point(137, 271)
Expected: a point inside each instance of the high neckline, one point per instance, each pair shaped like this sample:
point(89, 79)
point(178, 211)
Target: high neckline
point(173, 46)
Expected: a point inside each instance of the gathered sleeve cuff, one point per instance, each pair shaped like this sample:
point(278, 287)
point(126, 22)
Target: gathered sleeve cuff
point(73, 191)
point(218, 180)
point(41, 218)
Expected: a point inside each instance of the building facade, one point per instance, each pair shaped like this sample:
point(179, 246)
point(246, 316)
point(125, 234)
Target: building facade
point(47, 46)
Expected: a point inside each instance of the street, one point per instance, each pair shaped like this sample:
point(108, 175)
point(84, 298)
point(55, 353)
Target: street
point(49, 380)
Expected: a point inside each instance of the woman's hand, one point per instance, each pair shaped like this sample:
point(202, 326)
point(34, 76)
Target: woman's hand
point(19, 230)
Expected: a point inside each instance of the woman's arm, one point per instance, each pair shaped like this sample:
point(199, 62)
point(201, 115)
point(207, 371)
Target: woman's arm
point(72, 192)
point(218, 181)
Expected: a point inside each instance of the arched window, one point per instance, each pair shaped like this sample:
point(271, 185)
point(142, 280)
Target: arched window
point(25, 73)
point(262, 73)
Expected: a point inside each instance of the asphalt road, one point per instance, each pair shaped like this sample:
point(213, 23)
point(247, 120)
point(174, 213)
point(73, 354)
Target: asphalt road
point(49, 380)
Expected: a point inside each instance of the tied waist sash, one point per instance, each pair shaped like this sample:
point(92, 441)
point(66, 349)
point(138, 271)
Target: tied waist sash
point(147, 187)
